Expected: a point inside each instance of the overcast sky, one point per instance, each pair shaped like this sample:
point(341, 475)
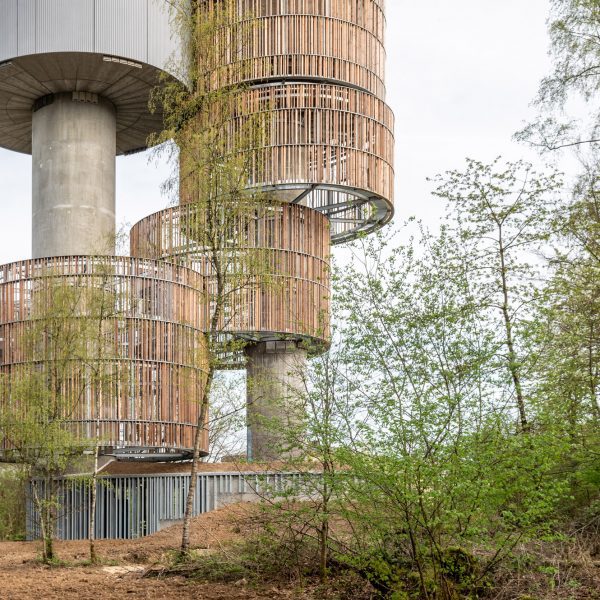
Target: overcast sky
point(461, 75)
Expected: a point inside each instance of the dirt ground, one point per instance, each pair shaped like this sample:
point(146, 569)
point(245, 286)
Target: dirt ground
point(23, 577)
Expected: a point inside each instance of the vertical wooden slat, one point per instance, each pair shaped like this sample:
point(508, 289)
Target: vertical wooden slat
point(152, 316)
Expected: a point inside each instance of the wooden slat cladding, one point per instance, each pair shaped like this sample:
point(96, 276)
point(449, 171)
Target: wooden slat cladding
point(368, 14)
point(317, 96)
point(147, 289)
point(289, 296)
point(316, 69)
point(340, 40)
point(333, 141)
point(322, 134)
point(154, 371)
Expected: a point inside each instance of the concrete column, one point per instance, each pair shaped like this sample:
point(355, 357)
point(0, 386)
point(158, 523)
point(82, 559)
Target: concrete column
point(73, 158)
point(274, 396)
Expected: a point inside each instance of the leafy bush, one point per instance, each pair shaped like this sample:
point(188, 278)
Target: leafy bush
point(12, 505)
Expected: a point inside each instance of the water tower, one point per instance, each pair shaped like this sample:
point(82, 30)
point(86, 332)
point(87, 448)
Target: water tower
point(75, 80)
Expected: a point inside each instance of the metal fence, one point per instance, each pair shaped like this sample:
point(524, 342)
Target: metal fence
point(133, 506)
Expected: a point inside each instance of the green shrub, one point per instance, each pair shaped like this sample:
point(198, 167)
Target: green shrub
point(12, 504)
point(217, 568)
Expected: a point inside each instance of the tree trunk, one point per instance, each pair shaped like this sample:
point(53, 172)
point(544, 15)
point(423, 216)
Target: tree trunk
point(93, 492)
point(48, 548)
point(48, 519)
point(42, 518)
point(323, 543)
point(99, 379)
point(189, 504)
point(513, 366)
point(214, 330)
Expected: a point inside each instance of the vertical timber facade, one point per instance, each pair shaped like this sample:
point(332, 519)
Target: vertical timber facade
point(75, 82)
point(316, 71)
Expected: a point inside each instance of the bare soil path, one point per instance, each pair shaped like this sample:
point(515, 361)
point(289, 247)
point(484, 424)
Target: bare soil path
point(23, 577)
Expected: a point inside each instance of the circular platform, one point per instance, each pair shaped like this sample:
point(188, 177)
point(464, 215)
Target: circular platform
point(290, 299)
point(316, 70)
point(327, 147)
point(24, 80)
point(148, 382)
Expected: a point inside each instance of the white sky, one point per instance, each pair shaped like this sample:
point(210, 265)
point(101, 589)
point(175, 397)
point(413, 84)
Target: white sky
point(461, 75)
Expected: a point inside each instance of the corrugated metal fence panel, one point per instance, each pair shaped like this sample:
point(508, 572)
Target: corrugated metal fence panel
point(65, 26)
point(135, 506)
point(8, 42)
point(126, 35)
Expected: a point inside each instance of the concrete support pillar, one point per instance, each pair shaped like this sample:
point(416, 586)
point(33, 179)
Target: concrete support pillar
point(274, 396)
point(73, 158)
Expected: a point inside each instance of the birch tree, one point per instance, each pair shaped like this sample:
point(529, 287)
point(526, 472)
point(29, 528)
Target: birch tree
point(214, 139)
point(502, 214)
point(41, 396)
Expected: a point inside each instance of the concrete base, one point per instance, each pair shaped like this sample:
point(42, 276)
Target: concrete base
point(73, 159)
point(274, 397)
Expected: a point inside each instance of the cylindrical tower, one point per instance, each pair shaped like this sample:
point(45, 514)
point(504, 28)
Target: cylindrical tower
point(138, 386)
point(75, 79)
point(75, 83)
point(292, 244)
point(281, 313)
point(315, 71)
point(318, 69)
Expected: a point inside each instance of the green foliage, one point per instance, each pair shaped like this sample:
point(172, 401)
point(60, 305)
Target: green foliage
point(70, 349)
point(12, 504)
point(290, 555)
point(573, 28)
point(218, 569)
point(453, 419)
point(207, 567)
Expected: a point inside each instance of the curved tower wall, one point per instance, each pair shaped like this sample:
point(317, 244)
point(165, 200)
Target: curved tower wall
point(339, 40)
point(292, 242)
point(330, 147)
point(75, 81)
point(148, 394)
point(317, 70)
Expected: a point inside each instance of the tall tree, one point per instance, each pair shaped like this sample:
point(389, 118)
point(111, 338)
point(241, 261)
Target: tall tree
point(41, 396)
point(574, 27)
point(435, 466)
point(215, 139)
point(567, 365)
point(502, 217)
